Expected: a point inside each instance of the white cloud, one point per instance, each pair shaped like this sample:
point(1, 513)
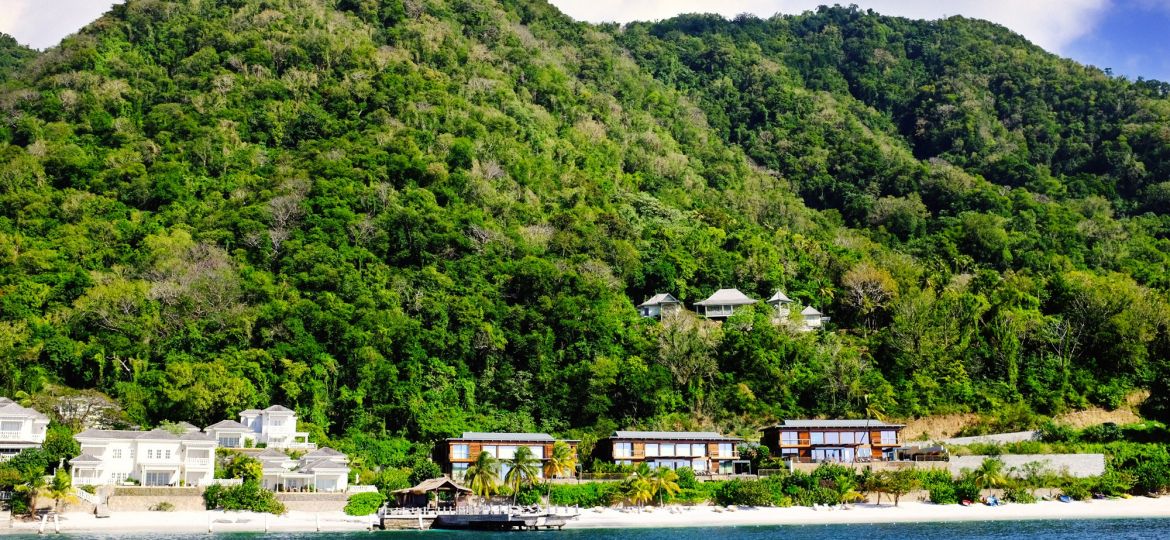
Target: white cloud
point(42, 23)
point(1052, 24)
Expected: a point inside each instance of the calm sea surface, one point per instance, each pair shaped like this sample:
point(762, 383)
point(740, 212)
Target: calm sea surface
point(1096, 529)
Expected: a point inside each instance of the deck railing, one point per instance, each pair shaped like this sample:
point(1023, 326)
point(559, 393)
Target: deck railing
point(478, 509)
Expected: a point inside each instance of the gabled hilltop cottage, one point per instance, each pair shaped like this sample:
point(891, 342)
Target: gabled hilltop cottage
point(152, 458)
point(274, 427)
point(723, 303)
point(660, 305)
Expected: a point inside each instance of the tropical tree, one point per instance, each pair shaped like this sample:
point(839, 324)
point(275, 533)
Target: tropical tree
point(900, 482)
point(32, 489)
point(523, 470)
point(60, 489)
point(639, 486)
point(483, 476)
point(989, 475)
point(845, 486)
point(665, 482)
point(562, 460)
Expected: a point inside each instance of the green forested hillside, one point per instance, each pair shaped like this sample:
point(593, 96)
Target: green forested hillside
point(13, 55)
point(410, 218)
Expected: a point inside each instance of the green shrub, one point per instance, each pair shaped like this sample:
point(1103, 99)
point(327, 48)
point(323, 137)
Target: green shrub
point(1114, 482)
point(530, 495)
point(743, 492)
point(1078, 491)
point(246, 496)
point(943, 493)
point(966, 490)
point(686, 478)
point(163, 506)
point(1153, 476)
point(364, 504)
point(92, 490)
point(586, 495)
point(1018, 494)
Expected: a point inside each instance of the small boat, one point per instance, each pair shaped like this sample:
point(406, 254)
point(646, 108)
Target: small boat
point(1064, 498)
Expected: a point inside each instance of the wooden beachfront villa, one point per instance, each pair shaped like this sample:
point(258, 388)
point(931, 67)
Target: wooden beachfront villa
point(845, 441)
point(703, 451)
point(455, 455)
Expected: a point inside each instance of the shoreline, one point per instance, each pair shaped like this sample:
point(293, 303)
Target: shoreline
point(868, 513)
point(197, 522)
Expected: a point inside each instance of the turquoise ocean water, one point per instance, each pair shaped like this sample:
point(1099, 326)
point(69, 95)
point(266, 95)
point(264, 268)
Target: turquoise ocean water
point(1096, 529)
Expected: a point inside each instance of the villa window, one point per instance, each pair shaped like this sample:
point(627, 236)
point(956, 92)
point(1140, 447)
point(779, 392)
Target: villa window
point(491, 450)
point(460, 451)
point(863, 437)
point(889, 437)
point(789, 437)
point(668, 449)
point(459, 470)
point(847, 437)
point(652, 450)
point(537, 451)
point(11, 427)
point(623, 450)
point(726, 450)
point(698, 450)
point(117, 453)
point(832, 437)
point(168, 454)
point(507, 452)
point(817, 437)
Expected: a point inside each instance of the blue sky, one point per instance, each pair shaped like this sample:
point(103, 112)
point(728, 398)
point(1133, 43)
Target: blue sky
point(1132, 37)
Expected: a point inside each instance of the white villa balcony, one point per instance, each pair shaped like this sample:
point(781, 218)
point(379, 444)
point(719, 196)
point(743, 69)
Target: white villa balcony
point(12, 435)
point(199, 462)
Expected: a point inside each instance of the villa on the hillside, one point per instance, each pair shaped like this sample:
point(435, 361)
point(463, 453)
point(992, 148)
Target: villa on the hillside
point(813, 319)
point(723, 303)
point(151, 458)
point(832, 440)
point(782, 304)
point(20, 428)
point(457, 454)
point(274, 427)
point(323, 469)
point(660, 305)
point(703, 451)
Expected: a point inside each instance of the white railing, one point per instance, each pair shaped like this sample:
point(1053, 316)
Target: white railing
point(11, 435)
point(227, 481)
point(198, 462)
point(5, 495)
point(361, 489)
point(88, 497)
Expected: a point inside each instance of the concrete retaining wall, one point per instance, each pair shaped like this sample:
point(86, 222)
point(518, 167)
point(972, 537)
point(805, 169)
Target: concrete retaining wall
point(1077, 465)
point(313, 502)
point(143, 503)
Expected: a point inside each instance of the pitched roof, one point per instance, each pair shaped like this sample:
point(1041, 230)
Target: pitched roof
point(810, 311)
point(278, 408)
point(324, 465)
point(188, 426)
point(779, 297)
point(673, 435)
point(433, 484)
point(85, 458)
point(812, 423)
point(726, 297)
point(250, 411)
point(11, 408)
point(272, 453)
point(154, 434)
point(660, 298)
point(158, 435)
point(323, 452)
point(229, 424)
point(505, 437)
point(196, 436)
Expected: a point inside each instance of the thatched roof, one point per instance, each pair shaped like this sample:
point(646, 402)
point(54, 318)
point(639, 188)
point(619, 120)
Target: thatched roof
point(434, 484)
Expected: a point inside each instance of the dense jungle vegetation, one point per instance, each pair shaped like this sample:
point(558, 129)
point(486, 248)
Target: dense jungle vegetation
point(410, 218)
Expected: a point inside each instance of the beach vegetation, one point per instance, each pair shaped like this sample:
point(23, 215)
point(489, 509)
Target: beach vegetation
point(483, 476)
point(900, 482)
point(249, 495)
point(423, 468)
point(364, 504)
point(523, 470)
point(740, 492)
point(163, 506)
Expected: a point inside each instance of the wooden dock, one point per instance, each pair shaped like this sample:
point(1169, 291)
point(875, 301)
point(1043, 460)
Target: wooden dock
point(484, 517)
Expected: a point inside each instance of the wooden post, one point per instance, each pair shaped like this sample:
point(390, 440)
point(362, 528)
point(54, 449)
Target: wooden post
point(44, 520)
point(57, 523)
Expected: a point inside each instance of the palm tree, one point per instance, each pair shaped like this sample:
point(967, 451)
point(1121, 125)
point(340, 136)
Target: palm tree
point(523, 470)
point(639, 487)
point(989, 475)
point(483, 476)
point(845, 486)
point(562, 460)
point(34, 488)
point(664, 482)
point(61, 489)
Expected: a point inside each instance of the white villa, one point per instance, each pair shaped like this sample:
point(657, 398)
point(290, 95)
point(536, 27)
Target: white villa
point(20, 428)
point(153, 458)
point(723, 303)
point(813, 319)
point(324, 469)
point(274, 427)
point(659, 305)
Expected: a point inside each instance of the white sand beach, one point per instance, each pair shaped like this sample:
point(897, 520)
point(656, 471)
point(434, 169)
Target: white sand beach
point(700, 516)
point(905, 512)
point(197, 522)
